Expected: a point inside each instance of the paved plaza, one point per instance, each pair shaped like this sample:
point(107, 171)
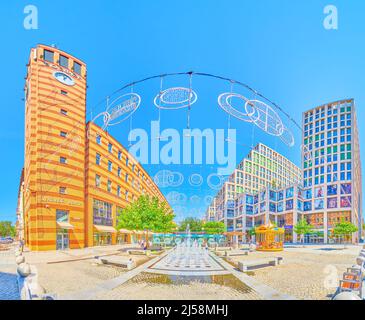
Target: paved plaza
point(8, 280)
point(310, 272)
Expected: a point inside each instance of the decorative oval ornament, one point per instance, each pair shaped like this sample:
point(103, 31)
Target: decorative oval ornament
point(265, 117)
point(175, 98)
point(122, 108)
point(225, 101)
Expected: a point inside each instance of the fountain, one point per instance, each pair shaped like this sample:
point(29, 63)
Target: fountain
point(188, 258)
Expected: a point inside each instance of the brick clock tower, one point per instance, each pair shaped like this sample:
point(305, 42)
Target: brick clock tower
point(55, 111)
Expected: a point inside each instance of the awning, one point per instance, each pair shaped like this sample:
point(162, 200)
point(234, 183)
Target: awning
point(138, 232)
point(65, 225)
point(104, 228)
point(125, 231)
point(234, 233)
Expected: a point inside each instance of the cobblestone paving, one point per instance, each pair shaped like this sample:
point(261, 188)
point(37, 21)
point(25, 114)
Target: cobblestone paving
point(147, 286)
point(307, 273)
point(8, 281)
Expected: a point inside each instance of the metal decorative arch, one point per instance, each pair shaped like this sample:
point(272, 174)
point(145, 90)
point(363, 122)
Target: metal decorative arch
point(263, 113)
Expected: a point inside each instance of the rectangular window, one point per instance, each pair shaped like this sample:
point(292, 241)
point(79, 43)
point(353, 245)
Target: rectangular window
point(49, 55)
point(110, 147)
point(119, 155)
point(62, 190)
point(118, 191)
point(64, 61)
point(110, 166)
point(119, 171)
point(63, 92)
point(109, 186)
point(63, 160)
point(102, 213)
point(62, 215)
point(126, 177)
point(97, 181)
point(98, 139)
point(63, 134)
point(63, 112)
point(98, 159)
point(77, 67)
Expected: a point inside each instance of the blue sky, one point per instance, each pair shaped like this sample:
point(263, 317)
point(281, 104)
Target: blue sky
point(278, 47)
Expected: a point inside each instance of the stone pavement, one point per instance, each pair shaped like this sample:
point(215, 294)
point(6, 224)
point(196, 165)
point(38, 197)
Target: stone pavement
point(267, 292)
point(111, 284)
point(8, 278)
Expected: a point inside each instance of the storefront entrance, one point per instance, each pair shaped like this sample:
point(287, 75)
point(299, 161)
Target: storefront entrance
point(314, 238)
point(102, 239)
point(122, 239)
point(288, 236)
point(62, 241)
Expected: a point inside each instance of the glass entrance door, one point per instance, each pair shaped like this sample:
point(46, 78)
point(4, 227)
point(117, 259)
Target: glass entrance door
point(62, 241)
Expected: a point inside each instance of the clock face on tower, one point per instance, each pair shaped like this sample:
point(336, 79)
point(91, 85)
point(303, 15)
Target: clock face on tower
point(64, 78)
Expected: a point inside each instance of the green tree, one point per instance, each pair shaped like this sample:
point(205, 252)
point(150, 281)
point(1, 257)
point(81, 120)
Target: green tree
point(302, 228)
point(147, 214)
point(344, 229)
point(214, 227)
point(7, 229)
point(252, 232)
point(195, 224)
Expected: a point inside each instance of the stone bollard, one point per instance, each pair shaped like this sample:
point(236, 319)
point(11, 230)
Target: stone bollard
point(360, 261)
point(38, 292)
point(19, 259)
point(24, 269)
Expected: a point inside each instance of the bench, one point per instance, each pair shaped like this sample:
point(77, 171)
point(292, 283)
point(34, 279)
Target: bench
point(350, 286)
point(156, 248)
point(222, 248)
point(352, 281)
point(140, 252)
point(220, 253)
point(259, 263)
point(235, 254)
point(119, 262)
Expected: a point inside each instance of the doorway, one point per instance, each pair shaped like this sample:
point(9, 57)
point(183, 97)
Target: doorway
point(63, 241)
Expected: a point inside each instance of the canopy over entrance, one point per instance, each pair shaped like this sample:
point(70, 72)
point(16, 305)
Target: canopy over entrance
point(65, 225)
point(104, 229)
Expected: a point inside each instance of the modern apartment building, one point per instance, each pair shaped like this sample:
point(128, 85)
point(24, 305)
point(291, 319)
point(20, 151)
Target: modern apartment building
point(77, 178)
point(331, 188)
point(331, 166)
point(261, 168)
point(282, 206)
point(210, 213)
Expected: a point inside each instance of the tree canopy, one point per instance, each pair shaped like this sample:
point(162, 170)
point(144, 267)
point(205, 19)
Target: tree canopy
point(195, 224)
point(7, 229)
point(147, 213)
point(303, 227)
point(214, 227)
point(344, 228)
